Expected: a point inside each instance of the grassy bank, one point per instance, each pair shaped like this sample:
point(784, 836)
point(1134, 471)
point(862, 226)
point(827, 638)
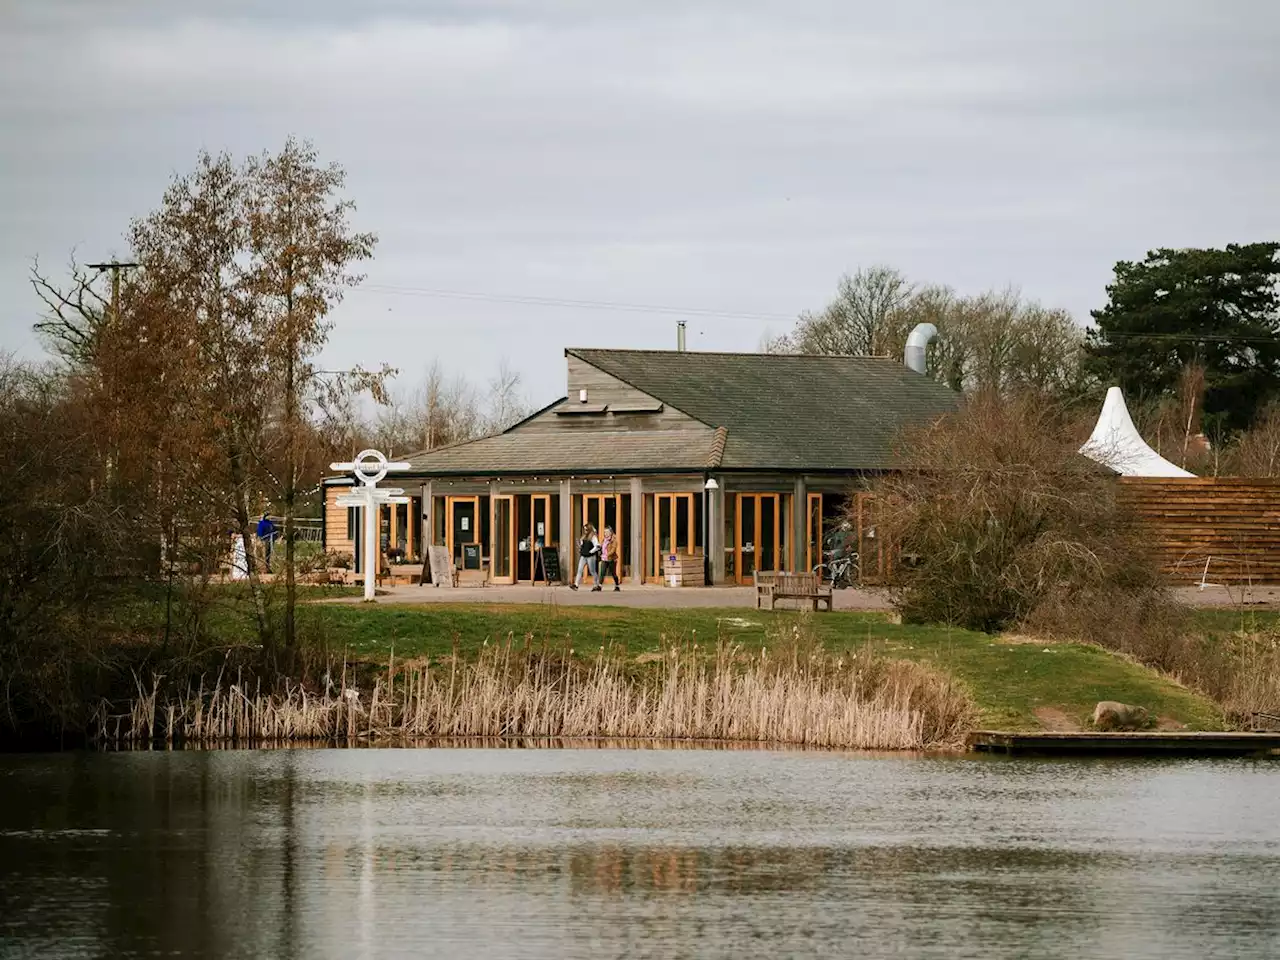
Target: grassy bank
point(1015, 684)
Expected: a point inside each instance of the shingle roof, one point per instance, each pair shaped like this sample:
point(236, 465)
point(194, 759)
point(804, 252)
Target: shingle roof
point(784, 410)
point(568, 452)
point(760, 411)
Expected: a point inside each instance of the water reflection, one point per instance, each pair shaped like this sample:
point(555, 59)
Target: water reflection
point(544, 853)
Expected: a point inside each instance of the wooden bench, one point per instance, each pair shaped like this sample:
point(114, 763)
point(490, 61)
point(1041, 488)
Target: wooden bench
point(807, 587)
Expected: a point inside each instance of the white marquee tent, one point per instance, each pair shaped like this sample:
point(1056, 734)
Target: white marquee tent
point(1116, 443)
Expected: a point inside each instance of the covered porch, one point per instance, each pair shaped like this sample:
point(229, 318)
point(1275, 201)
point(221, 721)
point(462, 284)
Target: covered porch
point(726, 527)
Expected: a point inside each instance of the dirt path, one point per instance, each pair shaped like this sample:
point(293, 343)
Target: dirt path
point(1217, 595)
point(652, 596)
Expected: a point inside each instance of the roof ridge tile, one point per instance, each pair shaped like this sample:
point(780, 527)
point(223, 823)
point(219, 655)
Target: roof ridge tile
point(717, 448)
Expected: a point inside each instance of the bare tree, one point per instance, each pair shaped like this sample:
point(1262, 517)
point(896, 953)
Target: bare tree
point(992, 341)
point(858, 322)
point(1006, 517)
point(1256, 451)
point(507, 404)
point(443, 410)
point(74, 313)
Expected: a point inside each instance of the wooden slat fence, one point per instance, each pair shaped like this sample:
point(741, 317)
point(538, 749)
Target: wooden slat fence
point(1221, 530)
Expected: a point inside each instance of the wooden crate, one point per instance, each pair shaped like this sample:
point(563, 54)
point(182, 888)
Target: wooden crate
point(684, 570)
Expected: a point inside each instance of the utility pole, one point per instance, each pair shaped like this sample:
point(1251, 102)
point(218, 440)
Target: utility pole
point(115, 266)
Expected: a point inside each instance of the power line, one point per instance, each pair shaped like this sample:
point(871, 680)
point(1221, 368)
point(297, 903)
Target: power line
point(529, 300)
point(1188, 337)
point(711, 314)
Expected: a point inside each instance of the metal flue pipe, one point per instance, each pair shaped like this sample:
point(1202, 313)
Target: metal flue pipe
point(918, 345)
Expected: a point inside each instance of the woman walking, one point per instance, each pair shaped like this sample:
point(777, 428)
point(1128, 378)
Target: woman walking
point(609, 560)
point(588, 551)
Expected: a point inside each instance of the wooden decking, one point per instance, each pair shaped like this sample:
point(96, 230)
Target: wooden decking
point(1154, 744)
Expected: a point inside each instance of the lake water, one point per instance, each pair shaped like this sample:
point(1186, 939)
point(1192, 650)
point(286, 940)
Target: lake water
point(634, 853)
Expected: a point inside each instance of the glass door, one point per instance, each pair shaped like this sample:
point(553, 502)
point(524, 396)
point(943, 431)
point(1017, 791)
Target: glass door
point(504, 539)
point(540, 534)
point(747, 524)
point(760, 532)
point(674, 527)
point(607, 510)
point(463, 526)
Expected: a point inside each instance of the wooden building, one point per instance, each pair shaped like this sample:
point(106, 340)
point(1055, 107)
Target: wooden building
point(745, 457)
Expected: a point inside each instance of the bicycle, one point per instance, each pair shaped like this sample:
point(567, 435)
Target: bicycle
point(841, 571)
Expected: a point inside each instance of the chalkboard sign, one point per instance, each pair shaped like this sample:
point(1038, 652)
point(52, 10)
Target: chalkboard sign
point(471, 556)
point(547, 566)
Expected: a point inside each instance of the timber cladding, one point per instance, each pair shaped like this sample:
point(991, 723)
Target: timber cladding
point(335, 522)
point(1222, 530)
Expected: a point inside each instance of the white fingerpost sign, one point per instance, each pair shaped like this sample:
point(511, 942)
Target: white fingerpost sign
point(370, 466)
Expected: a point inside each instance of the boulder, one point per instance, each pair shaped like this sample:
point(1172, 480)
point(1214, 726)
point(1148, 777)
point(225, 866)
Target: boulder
point(1110, 715)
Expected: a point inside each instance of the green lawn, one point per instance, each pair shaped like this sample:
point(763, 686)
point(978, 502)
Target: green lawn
point(1009, 681)
point(1232, 620)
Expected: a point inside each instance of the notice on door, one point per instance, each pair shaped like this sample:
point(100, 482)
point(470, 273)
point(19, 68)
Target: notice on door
point(466, 524)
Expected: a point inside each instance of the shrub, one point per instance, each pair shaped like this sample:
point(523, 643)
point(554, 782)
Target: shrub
point(338, 560)
point(1009, 521)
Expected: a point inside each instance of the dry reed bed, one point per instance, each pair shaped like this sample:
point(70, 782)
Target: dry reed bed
point(805, 696)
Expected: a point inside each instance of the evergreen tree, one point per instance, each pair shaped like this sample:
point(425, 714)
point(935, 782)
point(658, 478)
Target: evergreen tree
point(1219, 309)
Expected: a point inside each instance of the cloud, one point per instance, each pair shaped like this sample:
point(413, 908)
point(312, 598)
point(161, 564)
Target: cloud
point(206, 61)
point(727, 154)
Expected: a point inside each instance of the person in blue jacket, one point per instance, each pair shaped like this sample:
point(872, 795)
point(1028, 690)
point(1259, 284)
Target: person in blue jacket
point(267, 534)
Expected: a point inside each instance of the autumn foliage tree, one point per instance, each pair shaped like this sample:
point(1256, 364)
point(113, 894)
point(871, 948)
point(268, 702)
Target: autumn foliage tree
point(241, 265)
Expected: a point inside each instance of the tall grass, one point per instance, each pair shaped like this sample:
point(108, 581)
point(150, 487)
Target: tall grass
point(799, 694)
point(1239, 668)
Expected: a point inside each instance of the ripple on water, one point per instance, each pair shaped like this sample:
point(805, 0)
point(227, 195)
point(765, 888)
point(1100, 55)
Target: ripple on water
point(597, 853)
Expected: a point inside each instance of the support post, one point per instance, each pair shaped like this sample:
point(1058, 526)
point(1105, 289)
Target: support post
point(710, 537)
point(371, 537)
point(799, 513)
point(492, 549)
point(568, 535)
point(718, 520)
point(428, 531)
point(637, 531)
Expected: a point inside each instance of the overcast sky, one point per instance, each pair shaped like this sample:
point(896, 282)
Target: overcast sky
point(732, 157)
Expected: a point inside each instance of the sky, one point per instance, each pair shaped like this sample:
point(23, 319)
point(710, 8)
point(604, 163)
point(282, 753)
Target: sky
point(726, 159)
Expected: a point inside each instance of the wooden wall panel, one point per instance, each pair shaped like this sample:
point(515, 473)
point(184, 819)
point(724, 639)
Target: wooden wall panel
point(604, 389)
point(1222, 530)
point(335, 522)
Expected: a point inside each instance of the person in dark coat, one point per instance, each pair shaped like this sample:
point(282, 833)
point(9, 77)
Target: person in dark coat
point(267, 534)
